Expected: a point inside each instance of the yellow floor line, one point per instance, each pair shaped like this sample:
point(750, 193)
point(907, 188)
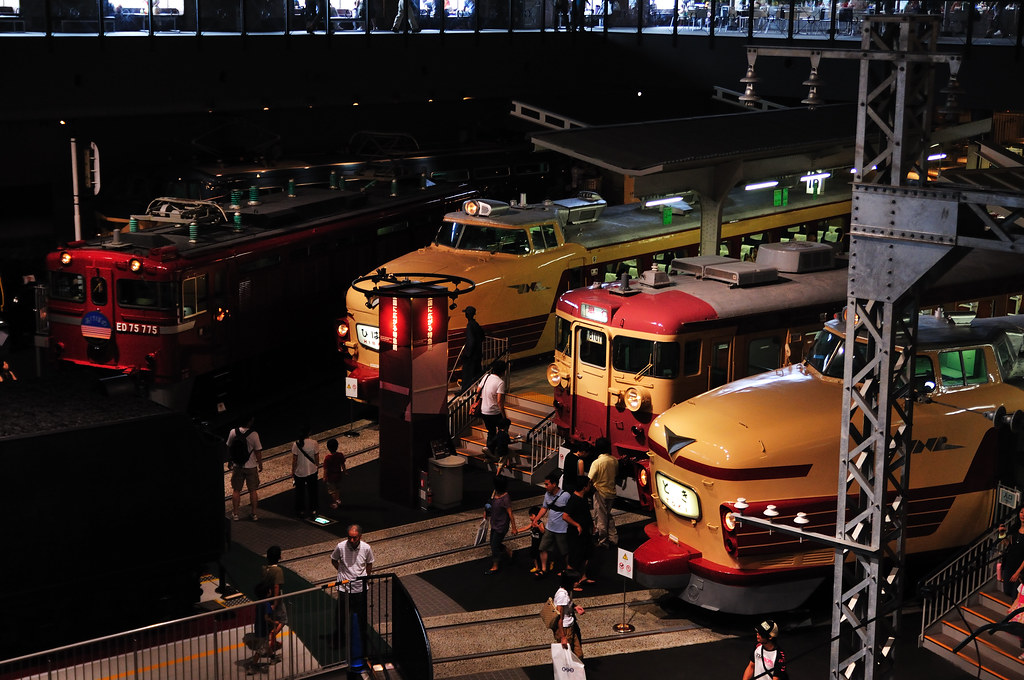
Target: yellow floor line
point(193, 657)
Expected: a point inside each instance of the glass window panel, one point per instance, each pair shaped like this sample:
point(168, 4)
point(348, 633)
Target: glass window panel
point(220, 16)
point(98, 290)
point(763, 354)
point(563, 333)
point(591, 346)
point(262, 16)
point(76, 16)
point(138, 293)
point(951, 368)
point(975, 371)
point(691, 357)
point(494, 15)
point(526, 14)
point(67, 286)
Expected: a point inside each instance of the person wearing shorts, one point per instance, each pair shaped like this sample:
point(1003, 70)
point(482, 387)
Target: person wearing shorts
point(248, 473)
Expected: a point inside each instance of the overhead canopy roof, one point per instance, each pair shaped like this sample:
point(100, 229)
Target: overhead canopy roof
point(662, 155)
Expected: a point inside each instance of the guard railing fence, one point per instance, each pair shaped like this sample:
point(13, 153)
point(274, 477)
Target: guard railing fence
point(956, 580)
point(388, 632)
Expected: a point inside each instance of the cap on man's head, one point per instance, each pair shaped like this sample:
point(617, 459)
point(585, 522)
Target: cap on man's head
point(767, 629)
point(469, 311)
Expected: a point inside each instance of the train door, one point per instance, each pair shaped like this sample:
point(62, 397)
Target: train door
point(590, 370)
point(99, 322)
point(720, 361)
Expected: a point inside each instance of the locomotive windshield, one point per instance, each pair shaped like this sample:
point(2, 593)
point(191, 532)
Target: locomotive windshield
point(656, 359)
point(67, 286)
point(150, 294)
point(827, 354)
point(463, 236)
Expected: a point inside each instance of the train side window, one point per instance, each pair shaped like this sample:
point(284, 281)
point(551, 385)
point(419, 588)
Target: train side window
point(591, 346)
point(98, 290)
point(67, 286)
point(148, 294)
point(543, 236)
point(691, 357)
point(963, 367)
point(563, 335)
point(193, 296)
point(763, 355)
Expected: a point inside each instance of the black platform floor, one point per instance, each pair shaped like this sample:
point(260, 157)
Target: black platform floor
point(361, 502)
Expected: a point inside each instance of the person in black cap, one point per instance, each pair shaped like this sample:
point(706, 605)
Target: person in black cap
point(472, 350)
point(767, 661)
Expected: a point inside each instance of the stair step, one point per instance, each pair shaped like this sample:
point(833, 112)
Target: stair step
point(996, 645)
point(991, 668)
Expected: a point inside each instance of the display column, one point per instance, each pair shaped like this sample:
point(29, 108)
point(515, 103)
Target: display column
point(413, 385)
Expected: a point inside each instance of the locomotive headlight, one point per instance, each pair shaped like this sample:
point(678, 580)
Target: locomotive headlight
point(729, 520)
point(65, 258)
point(636, 398)
point(642, 478)
point(471, 207)
point(342, 330)
point(135, 265)
point(554, 379)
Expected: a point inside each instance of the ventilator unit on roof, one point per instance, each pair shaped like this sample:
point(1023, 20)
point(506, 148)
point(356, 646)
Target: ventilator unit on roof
point(586, 207)
point(726, 269)
point(797, 257)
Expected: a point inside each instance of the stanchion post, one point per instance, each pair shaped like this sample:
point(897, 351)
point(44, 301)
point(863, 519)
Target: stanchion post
point(625, 569)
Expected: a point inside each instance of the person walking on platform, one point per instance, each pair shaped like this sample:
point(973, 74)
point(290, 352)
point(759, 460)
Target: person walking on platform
point(334, 470)
point(305, 466)
point(501, 518)
point(472, 350)
point(248, 472)
point(568, 633)
point(573, 468)
point(767, 661)
point(273, 578)
point(580, 534)
point(353, 558)
point(602, 474)
point(408, 10)
point(492, 400)
point(554, 539)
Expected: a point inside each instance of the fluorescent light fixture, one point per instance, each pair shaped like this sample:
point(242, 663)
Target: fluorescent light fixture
point(761, 185)
point(663, 201)
point(936, 156)
point(819, 175)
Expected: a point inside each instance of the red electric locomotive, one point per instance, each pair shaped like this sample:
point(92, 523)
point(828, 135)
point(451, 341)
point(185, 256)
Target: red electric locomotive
point(193, 288)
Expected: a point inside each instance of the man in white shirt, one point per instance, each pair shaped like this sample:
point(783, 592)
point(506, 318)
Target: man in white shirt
point(353, 558)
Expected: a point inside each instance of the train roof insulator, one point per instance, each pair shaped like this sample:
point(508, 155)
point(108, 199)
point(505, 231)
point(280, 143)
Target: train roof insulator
point(655, 278)
point(484, 207)
point(65, 258)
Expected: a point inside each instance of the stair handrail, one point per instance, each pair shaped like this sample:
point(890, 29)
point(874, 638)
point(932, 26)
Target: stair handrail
point(964, 574)
point(540, 438)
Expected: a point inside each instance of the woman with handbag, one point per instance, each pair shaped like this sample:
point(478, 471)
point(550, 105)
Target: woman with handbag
point(568, 633)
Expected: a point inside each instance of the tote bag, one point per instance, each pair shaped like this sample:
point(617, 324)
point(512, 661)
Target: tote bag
point(567, 665)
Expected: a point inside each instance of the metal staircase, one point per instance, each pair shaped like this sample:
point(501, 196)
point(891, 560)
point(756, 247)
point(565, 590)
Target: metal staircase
point(994, 653)
point(963, 595)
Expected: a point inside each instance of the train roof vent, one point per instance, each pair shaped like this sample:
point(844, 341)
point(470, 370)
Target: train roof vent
point(655, 278)
point(797, 257)
point(586, 207)
point(694, 266)
point(738, 273)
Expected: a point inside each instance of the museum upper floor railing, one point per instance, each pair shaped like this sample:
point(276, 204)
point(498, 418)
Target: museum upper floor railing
point(962, 23)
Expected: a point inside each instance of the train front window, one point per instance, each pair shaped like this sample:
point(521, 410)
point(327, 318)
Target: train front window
point(482, 238)
point(827, 354)
point(563, 335)
point(963, 367)
point(146, 294)
point(193, 296)
point(645, 357)
point(67, 286)
point(543, 236)
point(98, 291)
point(591, 346)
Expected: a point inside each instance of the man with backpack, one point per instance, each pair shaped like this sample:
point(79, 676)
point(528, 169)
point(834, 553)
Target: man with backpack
point(245, 456)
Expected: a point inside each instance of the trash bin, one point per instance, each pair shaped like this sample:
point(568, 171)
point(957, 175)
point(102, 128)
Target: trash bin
point(446, 481)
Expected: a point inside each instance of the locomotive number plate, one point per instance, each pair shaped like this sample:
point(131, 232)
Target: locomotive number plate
point(137, 328)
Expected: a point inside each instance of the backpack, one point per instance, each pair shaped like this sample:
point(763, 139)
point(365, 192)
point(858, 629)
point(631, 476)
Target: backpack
point(238, 451)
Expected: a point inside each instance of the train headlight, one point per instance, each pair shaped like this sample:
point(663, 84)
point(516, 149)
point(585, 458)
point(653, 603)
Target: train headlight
point(642, 477)
point(729, 520)
point(636, 398)
point(342, 331)
point(65, 258)
point(554, 378)
point(135, 265)
point(471, 207)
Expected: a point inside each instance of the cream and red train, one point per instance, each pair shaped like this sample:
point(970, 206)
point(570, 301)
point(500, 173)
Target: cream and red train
point(522, 257)
point(773, 439)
